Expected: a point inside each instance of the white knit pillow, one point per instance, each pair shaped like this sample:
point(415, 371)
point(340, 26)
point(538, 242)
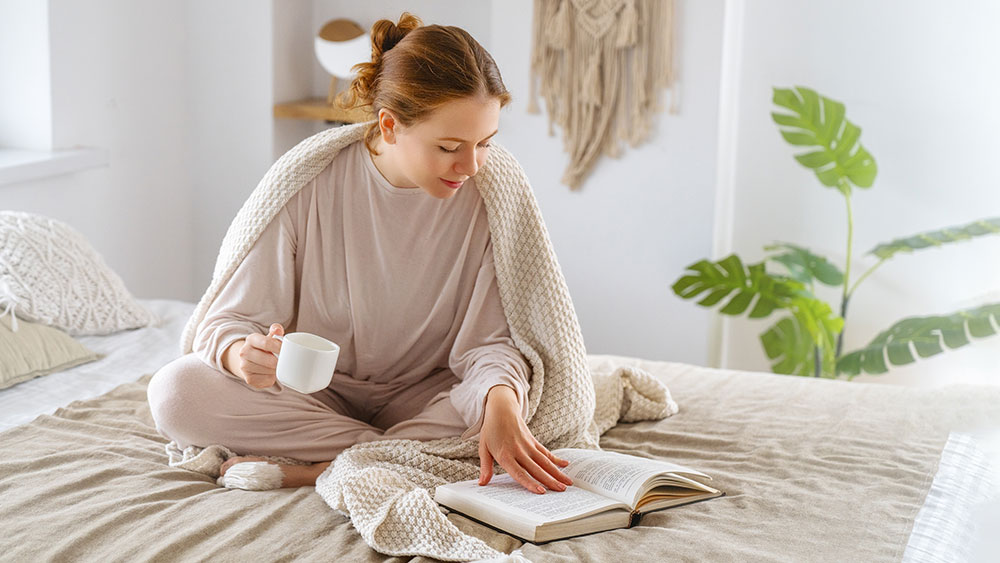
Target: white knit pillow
point(50, 274)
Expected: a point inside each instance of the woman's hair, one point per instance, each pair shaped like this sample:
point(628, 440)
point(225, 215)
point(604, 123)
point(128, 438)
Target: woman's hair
point(415, 69)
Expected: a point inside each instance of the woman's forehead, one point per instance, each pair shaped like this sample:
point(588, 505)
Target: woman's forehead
point(463, 120)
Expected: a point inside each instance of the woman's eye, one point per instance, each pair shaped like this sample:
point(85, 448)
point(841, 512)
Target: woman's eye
point(486, 146)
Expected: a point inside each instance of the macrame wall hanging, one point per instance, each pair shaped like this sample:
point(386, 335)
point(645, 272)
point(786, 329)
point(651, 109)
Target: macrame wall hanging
point(600, 65)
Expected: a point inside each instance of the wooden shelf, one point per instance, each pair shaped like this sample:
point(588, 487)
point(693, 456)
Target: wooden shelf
point(319, 109)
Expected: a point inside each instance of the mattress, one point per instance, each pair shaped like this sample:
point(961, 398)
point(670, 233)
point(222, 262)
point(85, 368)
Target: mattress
point(80, 455)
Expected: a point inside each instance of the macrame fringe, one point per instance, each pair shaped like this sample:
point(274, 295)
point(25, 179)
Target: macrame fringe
point(559, 34)
point(628, 25)
point(601, 68)
point(9, 303)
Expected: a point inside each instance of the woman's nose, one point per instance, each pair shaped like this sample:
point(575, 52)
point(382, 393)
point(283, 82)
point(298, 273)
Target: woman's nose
point(467, 164)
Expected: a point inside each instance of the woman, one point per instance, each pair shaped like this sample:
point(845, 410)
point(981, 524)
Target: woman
point(386, 252)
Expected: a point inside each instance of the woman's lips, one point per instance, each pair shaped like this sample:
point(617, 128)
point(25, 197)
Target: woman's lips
point(452, 185)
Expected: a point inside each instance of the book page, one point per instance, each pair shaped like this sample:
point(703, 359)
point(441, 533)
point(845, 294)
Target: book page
point(614, 475)
point(505, 493)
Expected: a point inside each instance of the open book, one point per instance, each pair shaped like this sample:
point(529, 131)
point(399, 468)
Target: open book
point(610, 490)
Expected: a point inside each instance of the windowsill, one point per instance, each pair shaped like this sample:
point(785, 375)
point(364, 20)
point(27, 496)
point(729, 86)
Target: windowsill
point(23, 165)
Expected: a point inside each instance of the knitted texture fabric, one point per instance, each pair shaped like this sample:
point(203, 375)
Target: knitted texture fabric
point(383, 485)
point(50, 274)
point(600, 66)
point(386, 487)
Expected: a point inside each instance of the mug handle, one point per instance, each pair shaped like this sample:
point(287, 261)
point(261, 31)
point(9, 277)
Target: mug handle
point(279, 337)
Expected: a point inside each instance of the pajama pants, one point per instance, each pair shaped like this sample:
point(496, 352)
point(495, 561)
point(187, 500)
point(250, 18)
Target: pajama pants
point(193, 403)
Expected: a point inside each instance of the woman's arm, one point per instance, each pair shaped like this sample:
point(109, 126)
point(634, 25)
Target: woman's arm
point(260, 292)
point(493, 394)
point(483, 354)
point(231, 357)
point(506, 439)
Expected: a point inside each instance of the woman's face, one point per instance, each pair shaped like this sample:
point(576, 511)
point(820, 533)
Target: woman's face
point(441, 152)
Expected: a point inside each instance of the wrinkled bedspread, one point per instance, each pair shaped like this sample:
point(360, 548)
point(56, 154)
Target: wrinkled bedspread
point(814, 470)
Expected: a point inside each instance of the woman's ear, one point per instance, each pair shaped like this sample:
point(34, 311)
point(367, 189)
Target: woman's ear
point(387, 124)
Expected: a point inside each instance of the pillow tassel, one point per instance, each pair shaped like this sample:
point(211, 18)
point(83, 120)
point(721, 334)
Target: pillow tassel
point(11, 308)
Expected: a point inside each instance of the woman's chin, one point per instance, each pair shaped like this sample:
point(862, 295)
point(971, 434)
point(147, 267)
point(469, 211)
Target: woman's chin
point(437, 192)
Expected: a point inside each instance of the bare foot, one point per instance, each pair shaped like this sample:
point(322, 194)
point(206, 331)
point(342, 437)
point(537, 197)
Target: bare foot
point(293, 475)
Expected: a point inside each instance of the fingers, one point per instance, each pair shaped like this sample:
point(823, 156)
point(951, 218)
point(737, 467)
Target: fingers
point(259, 376)
point(485, 465)
point(528, 474)
point(541, 475)
point(251, 367)
point(263, 358)
point(556, 460)
point(267, 343)
point(521, 475)
point(258, 359)
point(545, 460)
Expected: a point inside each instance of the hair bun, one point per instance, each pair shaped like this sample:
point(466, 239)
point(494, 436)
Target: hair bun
point(412, 74)
point(386, 33)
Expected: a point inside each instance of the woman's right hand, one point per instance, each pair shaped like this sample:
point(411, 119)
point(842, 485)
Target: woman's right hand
point(257, 365)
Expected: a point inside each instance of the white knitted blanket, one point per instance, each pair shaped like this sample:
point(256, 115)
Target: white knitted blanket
point(383, 487)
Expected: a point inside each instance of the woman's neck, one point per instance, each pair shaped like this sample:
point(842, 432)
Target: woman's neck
point(385, 164)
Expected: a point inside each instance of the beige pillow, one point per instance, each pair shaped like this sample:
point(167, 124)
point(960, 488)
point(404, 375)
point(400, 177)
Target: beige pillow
point(36, 349)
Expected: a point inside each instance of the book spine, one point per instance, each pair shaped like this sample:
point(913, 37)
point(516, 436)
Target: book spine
point(633, 518)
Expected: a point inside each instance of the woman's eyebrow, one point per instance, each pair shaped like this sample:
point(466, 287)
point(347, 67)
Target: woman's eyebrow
point(463, 140)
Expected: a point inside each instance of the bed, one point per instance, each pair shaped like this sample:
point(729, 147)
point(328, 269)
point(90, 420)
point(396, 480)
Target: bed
point(811, 468)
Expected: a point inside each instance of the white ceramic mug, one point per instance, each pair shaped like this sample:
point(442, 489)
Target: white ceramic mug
point(306, 362)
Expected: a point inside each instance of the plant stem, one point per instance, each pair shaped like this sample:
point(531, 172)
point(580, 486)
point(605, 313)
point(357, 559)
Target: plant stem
point(865, 275)
point(847, 299)
point(817, 362)
point(847, 270)
point(843, 315)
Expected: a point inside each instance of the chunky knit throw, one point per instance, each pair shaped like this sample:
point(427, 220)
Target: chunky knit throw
point(384, 486)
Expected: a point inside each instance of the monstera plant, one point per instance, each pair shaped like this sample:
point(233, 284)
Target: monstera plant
point(809, 336)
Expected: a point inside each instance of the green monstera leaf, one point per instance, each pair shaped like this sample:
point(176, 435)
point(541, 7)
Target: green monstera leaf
point(815, 317)
point(937, 238)
point(927, 336)
point(790, 350)
point(748, 283)
point(805, 266)
point(818, 121)
point(814, 322)
point(793, 350)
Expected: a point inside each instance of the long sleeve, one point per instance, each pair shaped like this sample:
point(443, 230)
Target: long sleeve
point(260, 292)
point(484, 355)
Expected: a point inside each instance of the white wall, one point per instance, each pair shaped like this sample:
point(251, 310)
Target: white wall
point(626, 236)
point(25, 91)
point(185, 113)
point(294, 68)
point(921, 84)
point(118, 82)
point(639, 220)
point(180, 94)
point(229, 50)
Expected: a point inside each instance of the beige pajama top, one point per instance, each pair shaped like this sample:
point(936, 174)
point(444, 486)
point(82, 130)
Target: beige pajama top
point(402, 281)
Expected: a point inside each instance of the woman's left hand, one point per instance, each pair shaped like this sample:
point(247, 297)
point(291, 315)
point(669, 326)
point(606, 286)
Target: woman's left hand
point(506, 438)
